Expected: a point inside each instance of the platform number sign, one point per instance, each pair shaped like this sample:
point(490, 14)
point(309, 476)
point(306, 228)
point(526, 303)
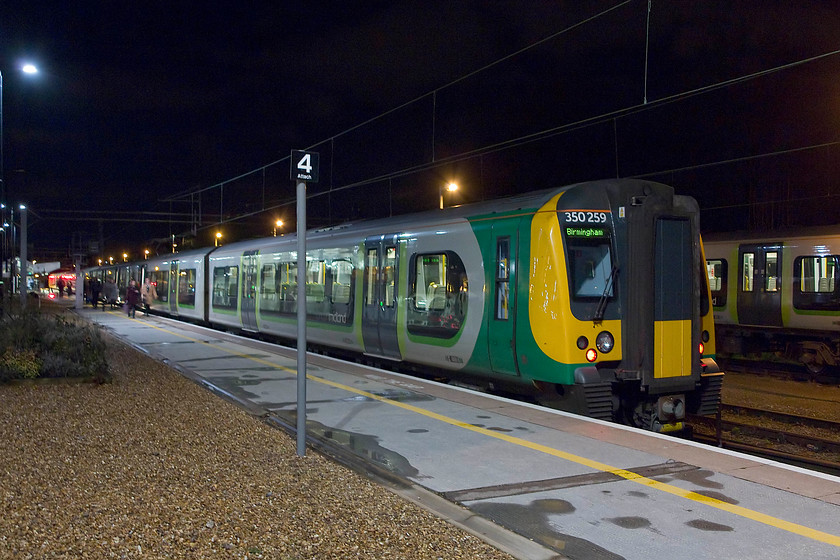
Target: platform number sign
point(304, 166)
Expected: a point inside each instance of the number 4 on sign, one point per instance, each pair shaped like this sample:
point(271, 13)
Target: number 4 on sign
point(305, 163)
point(304, 166)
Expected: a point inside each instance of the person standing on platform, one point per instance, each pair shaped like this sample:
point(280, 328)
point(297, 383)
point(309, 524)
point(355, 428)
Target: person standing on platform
point(148, 293)
point(95, 291)
point(60, 285)
point(132, 298)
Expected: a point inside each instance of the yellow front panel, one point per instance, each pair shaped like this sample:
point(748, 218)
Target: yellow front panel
point(672, 348)
point(553, 325)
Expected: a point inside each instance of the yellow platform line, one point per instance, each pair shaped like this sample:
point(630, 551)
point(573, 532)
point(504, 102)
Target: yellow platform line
point(740, 511)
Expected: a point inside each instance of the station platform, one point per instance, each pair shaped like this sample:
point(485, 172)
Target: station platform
point(534, 482)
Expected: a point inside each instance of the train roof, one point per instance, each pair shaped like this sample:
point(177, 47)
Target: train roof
point(525, 201)
point(777, 235)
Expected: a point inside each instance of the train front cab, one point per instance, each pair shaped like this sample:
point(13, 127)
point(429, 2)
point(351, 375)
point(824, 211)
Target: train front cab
point(619, 306)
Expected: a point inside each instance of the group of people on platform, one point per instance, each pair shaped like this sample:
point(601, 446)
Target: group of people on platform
point(135, 297)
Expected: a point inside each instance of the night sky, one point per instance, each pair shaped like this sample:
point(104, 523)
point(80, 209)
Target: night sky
point(137, 102)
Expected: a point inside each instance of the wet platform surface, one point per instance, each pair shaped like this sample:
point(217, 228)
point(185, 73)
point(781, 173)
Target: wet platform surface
point(579, 488)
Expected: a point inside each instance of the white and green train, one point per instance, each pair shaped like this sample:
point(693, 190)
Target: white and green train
point(592, 298)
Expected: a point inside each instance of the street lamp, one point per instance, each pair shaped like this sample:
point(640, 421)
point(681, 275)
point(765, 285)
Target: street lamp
point(277, 224)
point(125, 257)
point(24, 284)
point(146, 254)
point(218, 237)
point(451, 187)
point(27, 69)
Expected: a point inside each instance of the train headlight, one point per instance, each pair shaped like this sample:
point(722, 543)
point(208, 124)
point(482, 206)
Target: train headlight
point(591, 355)
point(604, 342)
point(582, 342)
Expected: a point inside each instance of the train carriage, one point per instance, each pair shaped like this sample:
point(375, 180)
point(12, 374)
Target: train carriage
point(777, 295)
point(592, 298)
point(179, 281)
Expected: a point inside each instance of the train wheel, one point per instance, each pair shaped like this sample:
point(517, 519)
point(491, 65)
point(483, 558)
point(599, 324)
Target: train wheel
point(813, 362)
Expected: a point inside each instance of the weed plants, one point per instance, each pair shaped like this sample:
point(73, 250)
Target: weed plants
point(35, 345)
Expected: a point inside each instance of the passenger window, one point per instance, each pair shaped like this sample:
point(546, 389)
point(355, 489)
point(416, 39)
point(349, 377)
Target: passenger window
point(747, 282)
point(388, 275)
point(503, 278)
point(315, 281)
point(225, 286)
point(268, 286)
point(771, 276)
point(814, 283)
point(342, 279)
point(186, 287)
point(817, 274)
point(717, 270)
point(160, 279)
point(371, 273)
point(439, 294)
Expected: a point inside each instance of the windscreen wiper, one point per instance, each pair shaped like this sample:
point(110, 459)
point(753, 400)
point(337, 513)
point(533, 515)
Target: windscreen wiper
point(602, 303)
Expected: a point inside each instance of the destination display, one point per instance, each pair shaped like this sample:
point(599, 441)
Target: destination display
point(589, 232)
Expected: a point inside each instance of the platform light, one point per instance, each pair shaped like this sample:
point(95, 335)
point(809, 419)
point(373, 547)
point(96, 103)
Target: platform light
point(451, 187)
point(218, 237)
point(277, 225)
point(146, 254)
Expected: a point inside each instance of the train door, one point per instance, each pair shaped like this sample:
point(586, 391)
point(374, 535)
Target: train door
point(380, 295)
point(173, 286)
point(759, 284)
point(248, 297)
point(674, 278)
point(501, 338)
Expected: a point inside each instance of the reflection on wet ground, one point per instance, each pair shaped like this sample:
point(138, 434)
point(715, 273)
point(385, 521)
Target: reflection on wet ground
point(534, 521)
point(365, 446)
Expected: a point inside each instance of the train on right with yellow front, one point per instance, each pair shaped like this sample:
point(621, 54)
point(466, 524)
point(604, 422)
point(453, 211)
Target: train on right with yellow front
point(777, 296)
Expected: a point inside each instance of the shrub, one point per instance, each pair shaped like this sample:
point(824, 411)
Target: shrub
point(34, 345)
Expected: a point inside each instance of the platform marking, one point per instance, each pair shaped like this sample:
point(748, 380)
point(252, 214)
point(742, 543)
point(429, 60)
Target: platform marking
point(795, 528)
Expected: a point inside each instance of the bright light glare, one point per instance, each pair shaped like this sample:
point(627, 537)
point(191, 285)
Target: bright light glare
point(30, 69)
point(452, 187)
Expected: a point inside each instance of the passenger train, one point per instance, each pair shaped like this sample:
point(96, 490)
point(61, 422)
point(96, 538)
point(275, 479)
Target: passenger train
point(777, 296)
point(591, 298)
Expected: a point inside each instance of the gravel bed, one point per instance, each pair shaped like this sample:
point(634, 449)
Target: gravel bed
point(780, 395)
point(154, 466)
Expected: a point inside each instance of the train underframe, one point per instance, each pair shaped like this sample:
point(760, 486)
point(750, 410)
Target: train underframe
point(601, 394)
point(818, 352)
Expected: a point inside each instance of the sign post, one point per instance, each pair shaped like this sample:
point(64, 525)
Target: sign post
point(304, 169)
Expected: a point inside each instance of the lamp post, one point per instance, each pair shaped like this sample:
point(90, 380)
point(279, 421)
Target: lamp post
point(451, 187)
point(277, 224)
point(218, 237)
point(24, 285)
point(27, 69)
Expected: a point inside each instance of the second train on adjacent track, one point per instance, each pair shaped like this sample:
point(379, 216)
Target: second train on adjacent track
point(591, 298)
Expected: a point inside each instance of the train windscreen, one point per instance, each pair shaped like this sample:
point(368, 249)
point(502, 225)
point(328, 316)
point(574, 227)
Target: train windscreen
point(590, 261)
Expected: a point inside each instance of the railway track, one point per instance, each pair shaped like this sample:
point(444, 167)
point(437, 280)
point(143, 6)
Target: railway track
point(780, 370)
point(808, 442)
